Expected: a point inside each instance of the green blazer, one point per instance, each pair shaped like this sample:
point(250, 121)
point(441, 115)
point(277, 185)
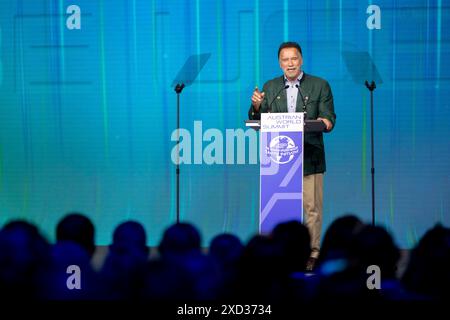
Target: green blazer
point(319, 104)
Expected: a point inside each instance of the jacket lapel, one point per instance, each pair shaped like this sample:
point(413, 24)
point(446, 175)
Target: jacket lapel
point(281, 99)
point(304, 91)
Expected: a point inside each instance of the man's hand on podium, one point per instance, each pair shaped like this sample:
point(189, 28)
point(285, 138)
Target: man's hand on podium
point(328, 124)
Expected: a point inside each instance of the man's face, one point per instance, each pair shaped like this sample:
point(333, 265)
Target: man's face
point(291, 62)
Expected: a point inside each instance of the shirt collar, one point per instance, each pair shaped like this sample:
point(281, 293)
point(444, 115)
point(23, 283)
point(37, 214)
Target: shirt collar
point(299, 78)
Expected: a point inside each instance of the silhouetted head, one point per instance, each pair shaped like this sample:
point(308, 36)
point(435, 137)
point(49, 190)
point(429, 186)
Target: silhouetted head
point(180, 238)
point(293, 240)
point(429, 264)
point(24, 259)
point(129, 234)
point(26, 236)
point(226, 248)
point(78, 228)
point(261, 255)
point(20, 224)
point(339, 237)
point(373, 245)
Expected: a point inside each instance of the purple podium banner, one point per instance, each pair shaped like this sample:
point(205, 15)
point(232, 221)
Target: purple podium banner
point(281, 169)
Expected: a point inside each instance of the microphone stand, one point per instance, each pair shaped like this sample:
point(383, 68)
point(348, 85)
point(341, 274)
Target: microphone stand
point(304, 100)
point(269, 109)
point(371, 88)
point(178, 89)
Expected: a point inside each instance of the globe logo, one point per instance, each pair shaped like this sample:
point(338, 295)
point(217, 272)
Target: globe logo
point(281, 149)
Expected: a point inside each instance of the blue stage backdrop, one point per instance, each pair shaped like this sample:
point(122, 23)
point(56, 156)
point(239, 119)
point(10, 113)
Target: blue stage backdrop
point(87, 109)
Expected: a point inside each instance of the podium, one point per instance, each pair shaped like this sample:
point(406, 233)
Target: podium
point(281, 166)
point(309, 125)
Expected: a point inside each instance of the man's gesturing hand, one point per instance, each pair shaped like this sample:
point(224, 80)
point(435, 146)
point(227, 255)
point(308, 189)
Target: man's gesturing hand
point(257, 98)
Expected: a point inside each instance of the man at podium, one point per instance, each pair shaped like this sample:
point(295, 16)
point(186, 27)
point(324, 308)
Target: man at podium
point(296, 91)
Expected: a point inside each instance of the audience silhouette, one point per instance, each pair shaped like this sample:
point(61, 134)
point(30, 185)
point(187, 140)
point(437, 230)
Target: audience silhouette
point(267, 268)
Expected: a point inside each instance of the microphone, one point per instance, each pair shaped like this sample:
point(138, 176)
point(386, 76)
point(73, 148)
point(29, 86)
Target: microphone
point(304, 100)
point(269, 109)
